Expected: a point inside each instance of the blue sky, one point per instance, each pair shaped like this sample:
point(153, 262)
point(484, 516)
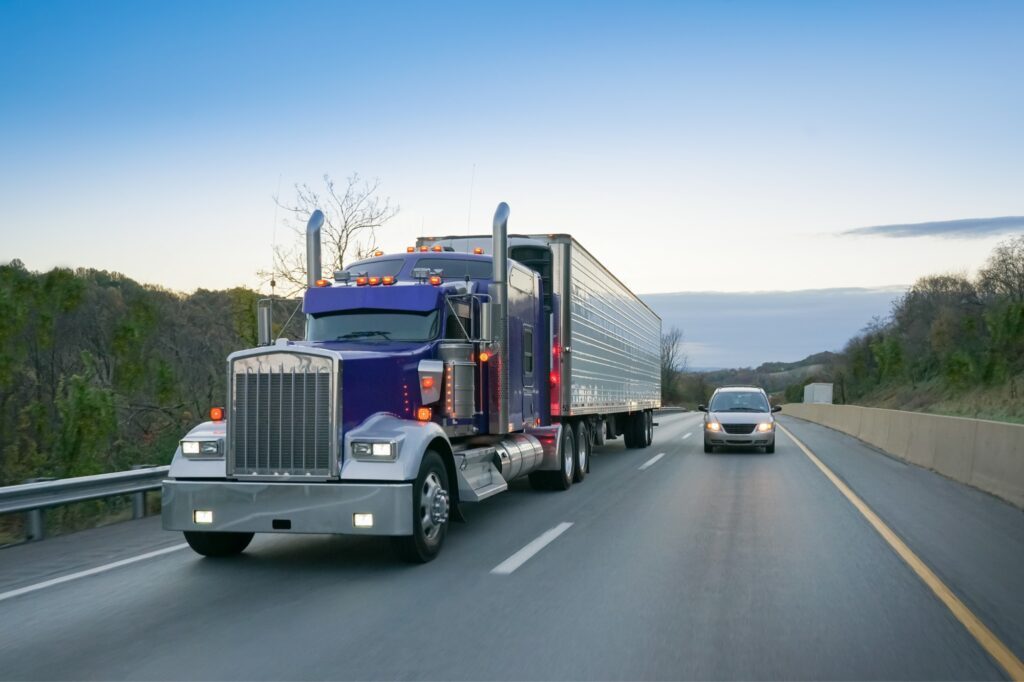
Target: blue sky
point(691, 146)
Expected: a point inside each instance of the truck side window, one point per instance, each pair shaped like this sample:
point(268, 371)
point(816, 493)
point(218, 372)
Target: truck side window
point(527, 349)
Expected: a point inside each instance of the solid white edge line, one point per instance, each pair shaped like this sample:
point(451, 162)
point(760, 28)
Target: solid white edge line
point(687, 436)
point(92, 571)
point(526, 553)
point(651, 462)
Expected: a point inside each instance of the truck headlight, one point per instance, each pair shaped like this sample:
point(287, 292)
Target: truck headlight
point(765, 426)
point(200, 448)
point(374, 451)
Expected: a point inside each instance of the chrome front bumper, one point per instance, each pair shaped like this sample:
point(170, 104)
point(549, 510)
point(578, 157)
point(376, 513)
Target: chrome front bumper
point(262, 507)
point(739, 440)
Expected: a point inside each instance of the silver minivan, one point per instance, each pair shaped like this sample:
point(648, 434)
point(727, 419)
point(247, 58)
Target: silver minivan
point(739, 417)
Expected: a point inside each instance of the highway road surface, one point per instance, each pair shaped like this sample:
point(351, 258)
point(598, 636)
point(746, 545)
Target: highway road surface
point(665, 563)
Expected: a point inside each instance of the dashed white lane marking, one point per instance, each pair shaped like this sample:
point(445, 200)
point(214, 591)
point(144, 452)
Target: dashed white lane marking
point(687, 436)
point(652, 461)
point(92, 571)
point(526, 553)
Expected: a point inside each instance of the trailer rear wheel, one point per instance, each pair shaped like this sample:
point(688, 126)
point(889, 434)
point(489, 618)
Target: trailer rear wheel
point(582, 465)
point(647, 426)
point(430, 512)
point(214, 544)
point(629, 432)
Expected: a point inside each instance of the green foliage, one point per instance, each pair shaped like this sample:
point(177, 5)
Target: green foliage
point(98, 372)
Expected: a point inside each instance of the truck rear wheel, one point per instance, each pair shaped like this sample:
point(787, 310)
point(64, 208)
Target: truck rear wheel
point(214, 544)
point(561, 479)
point(582, 464)
point(430, 510)
point(629, 432)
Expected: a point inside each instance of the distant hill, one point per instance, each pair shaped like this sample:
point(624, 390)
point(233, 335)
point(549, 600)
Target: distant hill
point(748, 329)
point(774, 376)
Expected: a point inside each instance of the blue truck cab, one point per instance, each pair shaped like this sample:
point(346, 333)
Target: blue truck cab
point(422, 383)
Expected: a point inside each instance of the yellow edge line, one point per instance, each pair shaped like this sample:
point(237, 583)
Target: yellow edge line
point(995, 648)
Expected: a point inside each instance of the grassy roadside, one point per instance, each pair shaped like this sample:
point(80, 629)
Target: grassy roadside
point(1004, 403)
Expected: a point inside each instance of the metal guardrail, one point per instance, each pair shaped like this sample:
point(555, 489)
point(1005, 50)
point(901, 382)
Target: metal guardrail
point(35, 497)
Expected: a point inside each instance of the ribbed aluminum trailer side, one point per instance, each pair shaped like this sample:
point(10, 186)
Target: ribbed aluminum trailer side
point(606, 342)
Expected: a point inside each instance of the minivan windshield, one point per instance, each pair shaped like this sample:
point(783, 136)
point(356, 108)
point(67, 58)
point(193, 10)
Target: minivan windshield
point(739, 401)
point(374, 325)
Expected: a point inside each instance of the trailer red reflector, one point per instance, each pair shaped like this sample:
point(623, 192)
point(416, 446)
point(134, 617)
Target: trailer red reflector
point(216, 414)
point(554, 377)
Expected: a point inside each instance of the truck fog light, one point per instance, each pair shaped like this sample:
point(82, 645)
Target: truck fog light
point(362, 520)
point(202, 516)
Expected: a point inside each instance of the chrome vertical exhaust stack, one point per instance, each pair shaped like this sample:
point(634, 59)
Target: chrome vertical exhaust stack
point(316, 221)
point(499, 320)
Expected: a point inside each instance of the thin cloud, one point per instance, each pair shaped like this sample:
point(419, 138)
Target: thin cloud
point(968, 228)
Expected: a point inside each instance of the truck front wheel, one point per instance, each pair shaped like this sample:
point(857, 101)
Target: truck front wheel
point(431, 502)
point(217, 544)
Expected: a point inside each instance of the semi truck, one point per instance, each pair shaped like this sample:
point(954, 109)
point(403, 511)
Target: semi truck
point(426, 380)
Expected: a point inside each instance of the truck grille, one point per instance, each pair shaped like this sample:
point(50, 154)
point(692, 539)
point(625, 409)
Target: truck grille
point(739, 428)
point(283, 409)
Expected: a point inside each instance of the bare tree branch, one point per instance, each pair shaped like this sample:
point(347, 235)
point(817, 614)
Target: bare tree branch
point(352, 215)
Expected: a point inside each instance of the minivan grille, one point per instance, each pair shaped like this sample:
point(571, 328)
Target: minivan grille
point(282, 415)
point(739, 428)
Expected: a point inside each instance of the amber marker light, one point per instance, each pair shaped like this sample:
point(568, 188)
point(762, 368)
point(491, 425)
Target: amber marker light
point(484, 356)
point(323, 283)
point(378, 253)
point(424, 249)
point(428, 382)
point(424, 414)
point(410, 249)
point(437, 248)
point(374, 281)
point(216, 414)
point(387, 280)
point(360, 281)
point(478, 251)
point(435, 280)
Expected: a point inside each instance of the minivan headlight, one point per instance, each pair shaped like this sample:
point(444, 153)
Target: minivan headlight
point(765, 426)
point(713, 426)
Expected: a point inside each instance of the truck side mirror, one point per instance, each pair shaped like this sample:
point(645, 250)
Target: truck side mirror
point(264, 310)
point(702, 408)
point(486, 320)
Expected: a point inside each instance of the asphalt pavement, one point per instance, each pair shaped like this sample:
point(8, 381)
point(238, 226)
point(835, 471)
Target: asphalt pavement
point(685, 566)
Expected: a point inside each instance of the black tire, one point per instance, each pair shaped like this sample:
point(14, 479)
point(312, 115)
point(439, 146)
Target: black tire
point(629, 432)
point(582, 451)
point(214, 544)
point(647, 424)
point(431, 509)
point(769, 449)
point(708, 447)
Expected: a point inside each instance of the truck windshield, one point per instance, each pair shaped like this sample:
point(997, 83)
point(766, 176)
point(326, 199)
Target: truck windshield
point(374, 326)
point(376, 268)
point(739, 401)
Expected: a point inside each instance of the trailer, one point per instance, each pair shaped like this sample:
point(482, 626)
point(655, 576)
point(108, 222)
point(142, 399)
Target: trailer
point(426, 380)
point(605, 341)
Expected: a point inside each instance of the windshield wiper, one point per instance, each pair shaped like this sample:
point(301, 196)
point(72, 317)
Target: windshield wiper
point(364, 334)
point(744, 409)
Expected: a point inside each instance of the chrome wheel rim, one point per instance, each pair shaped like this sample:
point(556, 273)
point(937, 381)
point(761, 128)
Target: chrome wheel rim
point(434, 505)
point(584, 450)
point(567, 460)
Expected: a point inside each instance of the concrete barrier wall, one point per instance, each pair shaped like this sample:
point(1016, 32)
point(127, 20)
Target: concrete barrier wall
point(984, 454)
